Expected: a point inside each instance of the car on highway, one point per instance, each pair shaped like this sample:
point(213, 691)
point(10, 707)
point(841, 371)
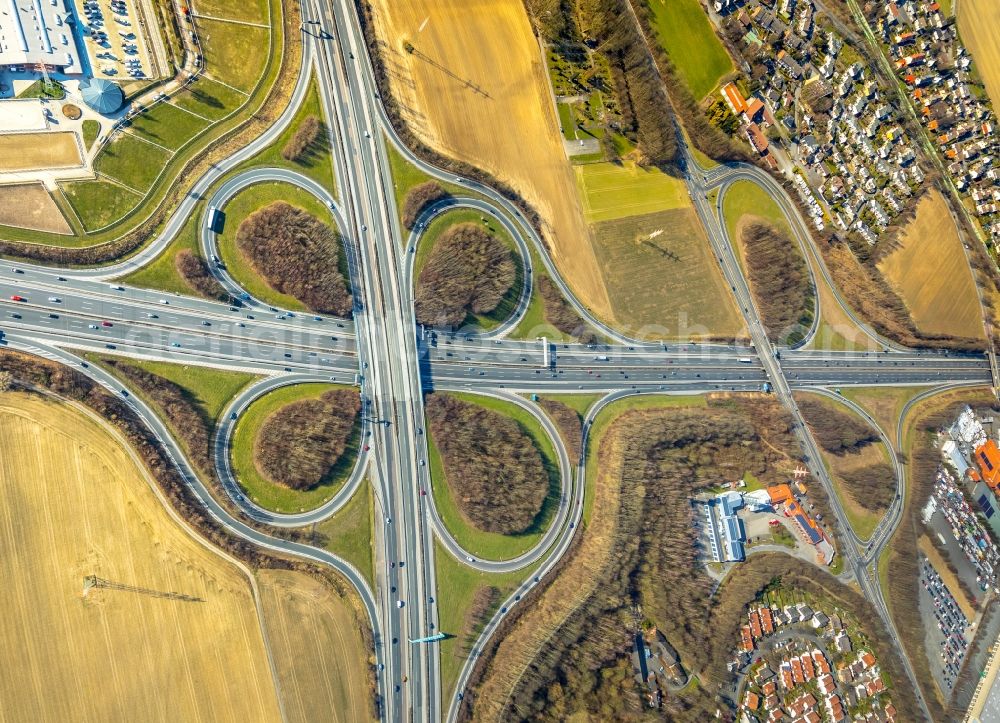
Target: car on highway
point(106, 324)
point(93, 326)
point(116, 287)
point(15, 297)
point(152, 316)
point(15, 315)
point(16, 271)
point(400, 603)
point(55, 299)
point(164, 302)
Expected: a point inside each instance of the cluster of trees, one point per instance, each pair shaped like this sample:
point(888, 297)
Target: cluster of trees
point(570, 426)
point(838, 432)
point(302, 139)
point(608, 26)
point(300, 444)
point(584, 666)
point(420, 197)
point(493, 469)
point(780, 282)
point(194, 270)
point(670, 455)
point(872, 486)
point(186, 418)
point(297, 254)
point(561, 314)
point(469, 271)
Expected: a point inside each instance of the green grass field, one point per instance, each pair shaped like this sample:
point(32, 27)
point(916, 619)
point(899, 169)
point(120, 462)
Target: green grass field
point(566, 121)
point(489, 545)
point(442, 223)
point(234, 54)
point(265, 493)
point(209, 99)
point(611, 191)
point(405, 176)
point(210, 389)
point(663, 279)
point(242, 205)
point(348, 532)
point(167, 125)
point(458, 585)
point(270, 51)
point(746, 198)
point(131, 161)
point(91, 129)
point(99, 202)
point(687, 35)
point(318, 162)
point(161, 273)
point(251, 11)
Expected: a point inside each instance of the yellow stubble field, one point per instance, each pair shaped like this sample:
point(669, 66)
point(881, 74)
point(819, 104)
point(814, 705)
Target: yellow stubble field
point(978, 21)
point(318, 649)
point(77, 503)
point(476, 89)
point(930, 272)
point(26, 151)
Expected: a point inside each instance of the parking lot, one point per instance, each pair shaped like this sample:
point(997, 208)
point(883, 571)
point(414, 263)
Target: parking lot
point(112, 33)
point(948, 631)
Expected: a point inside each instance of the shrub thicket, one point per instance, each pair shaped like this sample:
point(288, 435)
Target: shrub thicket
point(420, 197)
point(193, 269)
point(838, 432)
point(780, 283)
point(300, 444)
point(469, 271)
point(302, 139)
point(492, 466)
point(297, 254)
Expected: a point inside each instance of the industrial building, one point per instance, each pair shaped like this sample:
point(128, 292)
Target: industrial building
point(726, 533)
point(38, 34)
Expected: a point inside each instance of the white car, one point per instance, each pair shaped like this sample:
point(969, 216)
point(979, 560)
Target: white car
point(116, 287)
point(399, 603)
point(54, 299)
point(164, 301)
point(93, 326)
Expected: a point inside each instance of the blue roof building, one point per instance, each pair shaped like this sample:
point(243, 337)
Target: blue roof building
point(101, 95)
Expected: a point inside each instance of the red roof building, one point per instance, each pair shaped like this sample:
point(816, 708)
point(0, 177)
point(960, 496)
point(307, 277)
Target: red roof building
point(757, 138)
point(734, 98)
point(754, 624)
point(988, 458)
point(752, 701)
point(797, 671)
point(766, 621)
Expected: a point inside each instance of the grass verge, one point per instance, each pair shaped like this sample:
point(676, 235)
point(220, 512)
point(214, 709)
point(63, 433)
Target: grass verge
point(264, 492)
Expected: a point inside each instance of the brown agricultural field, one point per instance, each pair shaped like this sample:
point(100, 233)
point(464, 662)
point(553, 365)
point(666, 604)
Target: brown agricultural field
point(456, 100)
point(24, 151)
point(929, 271)
point(659, 270)
point(78, 503)
point(978, 21)
point(319, 653)
point(29, 205)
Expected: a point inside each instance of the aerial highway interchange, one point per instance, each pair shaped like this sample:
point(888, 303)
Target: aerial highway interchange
point(60, 313)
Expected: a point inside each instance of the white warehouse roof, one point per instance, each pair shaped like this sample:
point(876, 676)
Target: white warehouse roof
point(38, 32)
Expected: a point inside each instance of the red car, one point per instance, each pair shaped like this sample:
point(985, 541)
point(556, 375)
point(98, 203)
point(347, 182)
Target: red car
point(15, 297)
point(106, 323)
